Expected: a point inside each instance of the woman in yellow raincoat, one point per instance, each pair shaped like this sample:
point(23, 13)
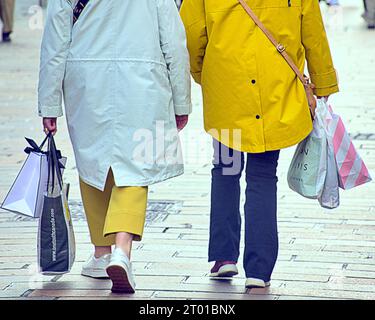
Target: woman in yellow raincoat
point(255, 105)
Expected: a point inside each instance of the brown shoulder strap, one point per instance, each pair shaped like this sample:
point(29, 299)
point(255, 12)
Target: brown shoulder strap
point(279, 47)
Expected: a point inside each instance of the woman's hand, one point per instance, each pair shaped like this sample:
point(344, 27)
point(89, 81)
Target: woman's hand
point(181, 121)
point(50, 125)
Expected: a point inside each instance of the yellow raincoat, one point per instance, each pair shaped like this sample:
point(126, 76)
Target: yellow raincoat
point(246, 83)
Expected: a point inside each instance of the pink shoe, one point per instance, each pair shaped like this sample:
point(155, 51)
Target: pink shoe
point(224, 269)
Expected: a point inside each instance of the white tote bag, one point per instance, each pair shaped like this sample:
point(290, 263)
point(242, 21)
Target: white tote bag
point(26, 194)
point(307, 172)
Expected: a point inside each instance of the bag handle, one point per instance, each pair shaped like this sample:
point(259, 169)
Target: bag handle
point(279, 47)
point(34, 147)
point(54, 165)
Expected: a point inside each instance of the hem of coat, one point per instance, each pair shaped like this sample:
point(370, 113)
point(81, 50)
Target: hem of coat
point(138, 183)
point(270, 146)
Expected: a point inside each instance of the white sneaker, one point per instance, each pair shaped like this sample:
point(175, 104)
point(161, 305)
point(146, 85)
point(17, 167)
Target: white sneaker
point(252, 283)
point(96, 267)
point(121, 273)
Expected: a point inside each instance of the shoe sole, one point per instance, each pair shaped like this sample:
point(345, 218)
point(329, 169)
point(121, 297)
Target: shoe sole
point(227, 271)
point(120, 280)
point(258, 286)
point(95, 274)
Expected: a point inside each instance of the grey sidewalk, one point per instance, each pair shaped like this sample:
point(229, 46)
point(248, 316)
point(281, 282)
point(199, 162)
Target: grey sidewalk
point(323, 254)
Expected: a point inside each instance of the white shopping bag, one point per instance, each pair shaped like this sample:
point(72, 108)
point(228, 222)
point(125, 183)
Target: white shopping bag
point(330, 198)
point(26, 194)
point(307, 172)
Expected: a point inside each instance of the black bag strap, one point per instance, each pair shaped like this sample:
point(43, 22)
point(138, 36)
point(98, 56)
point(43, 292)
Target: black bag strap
point(81, 5)
point(54, 165)
point(34, 147)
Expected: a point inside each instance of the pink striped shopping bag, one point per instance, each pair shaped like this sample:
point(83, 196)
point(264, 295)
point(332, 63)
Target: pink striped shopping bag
point(351, 168)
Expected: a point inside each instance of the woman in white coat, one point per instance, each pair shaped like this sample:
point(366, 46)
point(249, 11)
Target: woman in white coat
point(122, 69)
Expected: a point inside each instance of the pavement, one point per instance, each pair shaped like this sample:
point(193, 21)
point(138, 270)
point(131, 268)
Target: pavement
point(323, 254)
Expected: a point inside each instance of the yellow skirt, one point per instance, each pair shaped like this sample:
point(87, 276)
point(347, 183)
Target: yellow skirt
point(116, 209)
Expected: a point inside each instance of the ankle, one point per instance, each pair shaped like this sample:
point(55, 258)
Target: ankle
point(124, 242)
point(102, 251)
point(125, 250)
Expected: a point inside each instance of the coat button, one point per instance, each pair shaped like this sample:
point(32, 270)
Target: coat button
point(257, 116)
point(253, 81)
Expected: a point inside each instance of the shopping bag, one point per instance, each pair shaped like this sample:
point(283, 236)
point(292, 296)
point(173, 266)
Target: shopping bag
point(307, 172)
point(330, 197)
point(26, 194)
point(56, 242)
point(351, 168)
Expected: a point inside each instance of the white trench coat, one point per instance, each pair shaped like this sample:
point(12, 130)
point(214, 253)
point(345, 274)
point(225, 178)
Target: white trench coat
point(123, 73)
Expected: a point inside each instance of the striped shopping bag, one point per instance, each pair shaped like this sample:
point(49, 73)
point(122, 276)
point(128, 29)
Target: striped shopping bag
point(352, 170)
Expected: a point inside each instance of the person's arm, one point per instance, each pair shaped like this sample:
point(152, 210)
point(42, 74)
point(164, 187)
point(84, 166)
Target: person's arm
point(322, 72)
point(193, 16)
point(54, 52)
point(173, 46)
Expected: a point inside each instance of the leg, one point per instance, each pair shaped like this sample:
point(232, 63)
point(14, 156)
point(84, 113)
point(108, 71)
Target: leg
point(126, 216)
point(225, 224)
point(369, 14)
point(126, 219)
point(96, 203)
point(7, 13)
point(261, 237)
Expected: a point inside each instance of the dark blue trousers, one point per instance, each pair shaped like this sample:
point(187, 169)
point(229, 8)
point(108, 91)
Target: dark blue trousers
point(261, 235)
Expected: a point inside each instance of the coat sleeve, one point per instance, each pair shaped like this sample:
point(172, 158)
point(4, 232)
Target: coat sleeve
point(193, 16)
point(318, 54)
point(173, 45)
point(54, 52)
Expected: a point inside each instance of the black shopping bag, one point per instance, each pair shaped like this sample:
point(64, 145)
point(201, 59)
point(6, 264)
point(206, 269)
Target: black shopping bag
point(56, 243)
